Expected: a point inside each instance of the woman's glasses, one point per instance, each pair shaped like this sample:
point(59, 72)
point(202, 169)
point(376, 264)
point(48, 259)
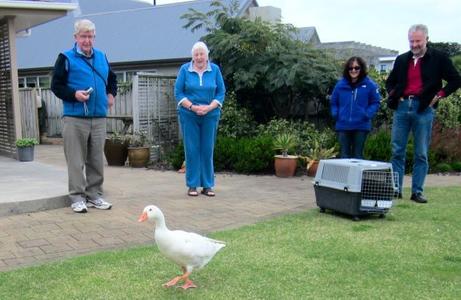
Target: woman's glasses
point(354, 68)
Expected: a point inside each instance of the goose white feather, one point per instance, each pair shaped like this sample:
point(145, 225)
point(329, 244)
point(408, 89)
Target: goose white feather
point(187, 249)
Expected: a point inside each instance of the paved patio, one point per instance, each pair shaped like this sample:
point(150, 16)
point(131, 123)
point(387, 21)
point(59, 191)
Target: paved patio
point(36, 237)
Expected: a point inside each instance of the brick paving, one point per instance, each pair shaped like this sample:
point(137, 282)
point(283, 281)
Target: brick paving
point(34, 238)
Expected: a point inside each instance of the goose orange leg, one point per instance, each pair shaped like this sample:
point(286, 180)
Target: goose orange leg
point(188, 283)
point(172, 282)
point(185, 276)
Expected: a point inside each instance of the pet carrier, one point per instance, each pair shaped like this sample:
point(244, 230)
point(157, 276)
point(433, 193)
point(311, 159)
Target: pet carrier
point(355, 187)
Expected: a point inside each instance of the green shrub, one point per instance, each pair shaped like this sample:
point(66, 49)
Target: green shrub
point(225, 153)
point(26, 142)
point(443, 167)
point(244, 155)
point(236, 121)
point(449, 111)
point(378, 146)
point(175, 156)
point(456, 166)
point(255, 155)
point(306, 133)
point(275, 127)
point(119, 138)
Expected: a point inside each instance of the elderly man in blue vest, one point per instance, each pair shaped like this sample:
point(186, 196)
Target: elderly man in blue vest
point(83, 79)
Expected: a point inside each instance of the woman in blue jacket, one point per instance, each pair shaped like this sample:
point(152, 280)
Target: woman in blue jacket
point(354, 103)
point(199, 91)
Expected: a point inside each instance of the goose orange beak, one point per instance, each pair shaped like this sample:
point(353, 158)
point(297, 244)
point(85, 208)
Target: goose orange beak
point(142, 217)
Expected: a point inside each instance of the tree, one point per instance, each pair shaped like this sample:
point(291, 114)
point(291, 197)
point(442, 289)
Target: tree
point(457, 62)
point(451, 49)
point(272, 73)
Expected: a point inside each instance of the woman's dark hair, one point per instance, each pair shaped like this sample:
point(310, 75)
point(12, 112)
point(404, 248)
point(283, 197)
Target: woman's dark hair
point(360, 62)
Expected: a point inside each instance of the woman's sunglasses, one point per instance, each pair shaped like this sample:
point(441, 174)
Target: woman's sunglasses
point(354, 68)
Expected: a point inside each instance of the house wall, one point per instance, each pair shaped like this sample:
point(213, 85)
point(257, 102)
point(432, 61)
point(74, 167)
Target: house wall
point(385, 66)
point(266, 13)
point(42, 77)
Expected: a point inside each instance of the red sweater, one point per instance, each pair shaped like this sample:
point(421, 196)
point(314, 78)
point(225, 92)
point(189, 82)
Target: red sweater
point(415, 81)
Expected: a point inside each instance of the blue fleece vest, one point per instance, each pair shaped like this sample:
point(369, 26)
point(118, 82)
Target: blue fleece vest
point(82, 77)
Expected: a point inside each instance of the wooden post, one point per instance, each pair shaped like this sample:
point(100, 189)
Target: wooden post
point(14, 78)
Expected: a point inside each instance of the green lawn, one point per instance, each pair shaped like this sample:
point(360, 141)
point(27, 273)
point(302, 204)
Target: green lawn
point(413, 253)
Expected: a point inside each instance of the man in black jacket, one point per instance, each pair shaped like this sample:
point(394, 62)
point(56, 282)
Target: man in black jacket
point(415, 87)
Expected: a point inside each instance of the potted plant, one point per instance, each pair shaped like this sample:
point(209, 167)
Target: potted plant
point(315, 154)
point(25, 147)
point(284, 164)
point(116, 149)
point(138, 150)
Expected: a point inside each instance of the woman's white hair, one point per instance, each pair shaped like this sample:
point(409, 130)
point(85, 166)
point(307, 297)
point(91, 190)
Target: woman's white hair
point(84, 25)
point(200, 45)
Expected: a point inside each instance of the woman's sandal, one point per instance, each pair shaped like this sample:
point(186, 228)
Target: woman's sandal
point(208, 192)
point(192, 192)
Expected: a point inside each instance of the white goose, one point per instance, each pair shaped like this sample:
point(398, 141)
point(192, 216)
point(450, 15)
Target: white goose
point(187, 249)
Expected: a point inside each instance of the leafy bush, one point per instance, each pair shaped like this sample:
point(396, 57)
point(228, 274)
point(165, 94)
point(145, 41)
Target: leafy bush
point(244, 155)
point(383, 117)
point(449, 111)
point(26, 142)
point(442, 167)
point(236, 121)
point(378, 146)
point(138, 139)
point(175, 157)
point(119, 138)
point(275, 127)
point(456, 166)
point(325, 139)
point(255, 155)
point(306, 133)
point(225, 153)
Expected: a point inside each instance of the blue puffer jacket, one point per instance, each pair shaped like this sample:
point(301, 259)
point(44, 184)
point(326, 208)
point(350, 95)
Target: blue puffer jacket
point(81, 77)
point(353, 108)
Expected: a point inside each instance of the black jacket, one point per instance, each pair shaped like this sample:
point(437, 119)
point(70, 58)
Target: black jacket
point(435, 66)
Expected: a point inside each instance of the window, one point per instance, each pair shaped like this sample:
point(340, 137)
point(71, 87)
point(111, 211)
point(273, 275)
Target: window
point(129, 76)
point(34, 81)
point(21, 82)
point(44, 81)
point(120, 76)
point(31, 81)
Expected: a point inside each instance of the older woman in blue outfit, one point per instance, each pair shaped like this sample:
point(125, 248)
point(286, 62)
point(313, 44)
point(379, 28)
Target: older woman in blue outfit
point(354, 103)
point(199, 91)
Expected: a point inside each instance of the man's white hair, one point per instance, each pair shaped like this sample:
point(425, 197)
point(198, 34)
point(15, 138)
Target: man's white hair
point(200, 45)
point(84, 25)
point(419, 27)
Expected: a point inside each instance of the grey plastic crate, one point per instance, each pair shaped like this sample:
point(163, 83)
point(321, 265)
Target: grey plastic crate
point(355, 187)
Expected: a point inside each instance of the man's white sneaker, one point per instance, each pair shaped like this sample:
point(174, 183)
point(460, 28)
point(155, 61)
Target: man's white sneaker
point(98, 203)
point(79, 207)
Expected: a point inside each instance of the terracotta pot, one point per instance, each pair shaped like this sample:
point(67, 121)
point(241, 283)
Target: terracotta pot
point(115, 152)
point(313, 169)
point(285, 166)
point(138, 157)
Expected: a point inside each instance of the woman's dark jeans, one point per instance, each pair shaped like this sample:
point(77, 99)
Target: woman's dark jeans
point(352, 143)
